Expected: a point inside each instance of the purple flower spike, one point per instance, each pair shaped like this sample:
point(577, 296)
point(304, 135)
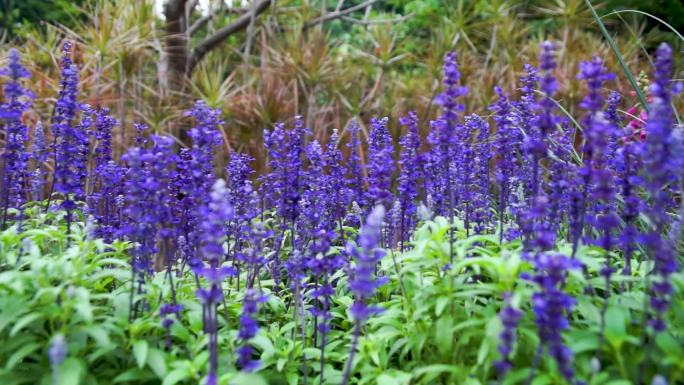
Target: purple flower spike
point(14, 173)
point(409, 176)
point(660, 176)
point(380, 164)
point(249, 327)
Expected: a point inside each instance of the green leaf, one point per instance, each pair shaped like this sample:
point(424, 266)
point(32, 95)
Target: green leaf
point(24, 321)
point(135, 375)
point(175, 376)
point(385, 379)
point(440, 305)
point(280, 364)
point(140, 349)
point(248, 379)
point(21, 353)
point(70, 372)
point(155, 359)
point(616, 331)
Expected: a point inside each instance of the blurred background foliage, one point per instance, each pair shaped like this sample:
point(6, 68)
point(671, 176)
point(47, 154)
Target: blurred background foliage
point(381, 58)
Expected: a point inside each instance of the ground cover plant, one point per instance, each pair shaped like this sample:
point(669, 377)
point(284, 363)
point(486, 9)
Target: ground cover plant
point(520, 246)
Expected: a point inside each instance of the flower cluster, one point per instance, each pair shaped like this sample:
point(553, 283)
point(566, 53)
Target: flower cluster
point(13, 174)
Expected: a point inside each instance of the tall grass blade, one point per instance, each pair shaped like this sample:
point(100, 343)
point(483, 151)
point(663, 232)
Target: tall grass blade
point(618, 55)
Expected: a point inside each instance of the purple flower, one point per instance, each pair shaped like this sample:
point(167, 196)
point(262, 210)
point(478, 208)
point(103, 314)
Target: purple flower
point(409, 176)
point(506, 141)
point(39, 155)
point(215, 214)
point(482, 216)
point(660, 172)
point(71, 151)
point(249, 327)
point(441, 161)
point(380, 164)
point(147, 204)
point(594, 174)
point(14, 173)
point(106, 179)
point(195, 175)
point(510, 316)
point(338, 193)
point(366, 254)
point(551, 306)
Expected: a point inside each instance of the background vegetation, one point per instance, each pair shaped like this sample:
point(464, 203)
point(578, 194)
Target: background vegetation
point(379, 60)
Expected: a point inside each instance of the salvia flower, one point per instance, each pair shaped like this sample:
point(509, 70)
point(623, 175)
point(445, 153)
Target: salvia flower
point(338, 193)
point(249, 327)
point(39, 154)
point(659, 175)
point(409, 176)
point(510, 316)
point(366, 255)
point(551, 306)
point(380, 164)
point(362, 280)
point(216, 214)
point(481, 196)
point(147, 208)
point(15, 157)
point(71, 152)
point(597, 130)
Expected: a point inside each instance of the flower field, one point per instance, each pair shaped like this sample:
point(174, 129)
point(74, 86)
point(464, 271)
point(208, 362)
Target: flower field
point(522, 244)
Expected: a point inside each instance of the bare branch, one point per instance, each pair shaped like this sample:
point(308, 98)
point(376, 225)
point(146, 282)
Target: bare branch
point(202, 21)
point(338, 14)
point(199, 23)
point(378, 21)
point(214, 40)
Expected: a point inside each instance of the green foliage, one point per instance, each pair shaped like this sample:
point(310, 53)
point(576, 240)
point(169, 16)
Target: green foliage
point(18, 16)
point(439, 324)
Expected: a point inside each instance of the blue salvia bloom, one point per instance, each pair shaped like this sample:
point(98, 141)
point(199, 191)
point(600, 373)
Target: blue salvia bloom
point(551, 306)
point(464, 165)
point(409, 175)
point(363, 283)
point(243, 199)
point(323, 264)
point(510, 316)
point(504, 146)
point(561, 177)
point(338, 193)
point(366, 254)
point(533, 144)
point(57, 354)
point(39, 154)
point(380, 164)
point(315, 195)
point(357, 179)
point(596, 130)
point(216, 214)
point(627, 164)
point(442, 139)
point(195, 172)
point(147, 207)
point(482, 215)
point(167, 311)
point(659, 175)
point(289, 206)
point(249, 327)
point(71, 152)
point(15, 157)
point(106, 180)
point(611, 114)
